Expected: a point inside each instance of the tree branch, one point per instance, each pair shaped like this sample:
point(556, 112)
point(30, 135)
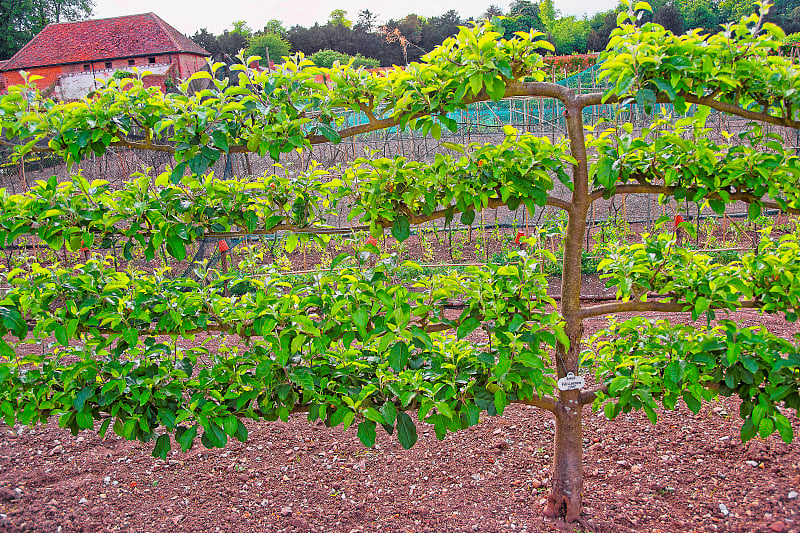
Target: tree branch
point(585, 100)
point(542, 402)
point(645, 188)
point(590, 395)
point(561, 204)
point(639, 306)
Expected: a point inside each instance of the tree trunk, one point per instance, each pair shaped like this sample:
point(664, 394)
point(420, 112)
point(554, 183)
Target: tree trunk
point(567, 479)
point(567, 486)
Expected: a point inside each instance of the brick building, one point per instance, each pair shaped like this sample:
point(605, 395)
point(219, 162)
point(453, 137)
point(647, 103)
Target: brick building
point(73, 56)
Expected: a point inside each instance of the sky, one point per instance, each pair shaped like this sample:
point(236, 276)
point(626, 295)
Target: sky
point(188, 16)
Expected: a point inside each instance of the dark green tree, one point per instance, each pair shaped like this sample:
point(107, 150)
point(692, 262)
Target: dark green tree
point(21, 20)
point(208, 41)
point(671, 18)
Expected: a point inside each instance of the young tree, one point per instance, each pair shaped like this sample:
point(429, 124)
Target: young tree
point(274, 26)
point(350, 346)
point(367, 21)
point(268, 46)
point(338, 18)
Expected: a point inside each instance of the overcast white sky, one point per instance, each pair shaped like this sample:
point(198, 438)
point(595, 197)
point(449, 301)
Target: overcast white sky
point(188, 16)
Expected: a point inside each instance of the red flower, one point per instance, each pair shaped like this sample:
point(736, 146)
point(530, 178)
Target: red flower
point(678, 221)
point(520, 235)
point(223, 246)
point(373, 241)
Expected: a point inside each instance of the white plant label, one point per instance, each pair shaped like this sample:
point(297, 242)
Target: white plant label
point(571, 382)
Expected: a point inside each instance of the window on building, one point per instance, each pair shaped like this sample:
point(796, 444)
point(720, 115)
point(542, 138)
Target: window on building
point(131, 62)
point(151, 59)
point(87, 66)
point(108, 64)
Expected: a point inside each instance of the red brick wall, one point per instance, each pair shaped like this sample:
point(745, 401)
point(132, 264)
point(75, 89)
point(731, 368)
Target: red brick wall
point(188, 64)
point(184, 65)
point(50, 75)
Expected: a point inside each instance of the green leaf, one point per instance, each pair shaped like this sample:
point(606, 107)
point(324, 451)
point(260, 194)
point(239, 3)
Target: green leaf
point(220, 140)
point(6, 350)
point(398, 356)
point(13, 321)
point(214, 436)
point(329, 133)
point(406, 431)
point(241, 431)
point(784, 428)
point(496, 89)
point(455, 147)
point(516, 322)
point(177, 173)
point(230, 425)
point(61, 335)
point(389, 412)
point(765, 428)
point(176, 247)
point(339, 258)
point(467, 326)
point(691, 402)
point(754, 210)
point(500, 401)
point(167, 418)
point(367, 433)
point(472, 413)
point(401, 229)
point(81, 397)
point(361, 318)
point(467, 217)
point(85, 420)
point(131, 336)
point(185, 437)
point(162, 447)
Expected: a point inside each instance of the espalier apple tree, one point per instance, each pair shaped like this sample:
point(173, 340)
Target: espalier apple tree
point(350, 345)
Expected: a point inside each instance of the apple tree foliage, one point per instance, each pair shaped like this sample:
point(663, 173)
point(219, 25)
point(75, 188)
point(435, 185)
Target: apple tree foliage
point(351, 345)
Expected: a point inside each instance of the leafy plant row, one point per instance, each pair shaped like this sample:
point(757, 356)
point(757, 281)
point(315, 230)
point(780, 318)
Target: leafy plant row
point(348, 347)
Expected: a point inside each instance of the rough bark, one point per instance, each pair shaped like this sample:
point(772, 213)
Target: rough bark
point(565, 497)
point(566, 491)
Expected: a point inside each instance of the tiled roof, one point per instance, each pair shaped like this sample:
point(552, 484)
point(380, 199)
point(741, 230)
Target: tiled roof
point(102, 39)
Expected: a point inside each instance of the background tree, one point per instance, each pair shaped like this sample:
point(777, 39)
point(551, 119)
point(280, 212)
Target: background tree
point(523, 15)
point(21, 20)
point(274, 26)
point(44, 12)
point(14, 27)
point(671, 18)
point(209, 42)
point(241, 27)
point(326, 59)
point(352, 346)
point(491, 12)
point(569, 35)
point(338, 18)
point(230, 43)
point(270, 46)
point(367, 21)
